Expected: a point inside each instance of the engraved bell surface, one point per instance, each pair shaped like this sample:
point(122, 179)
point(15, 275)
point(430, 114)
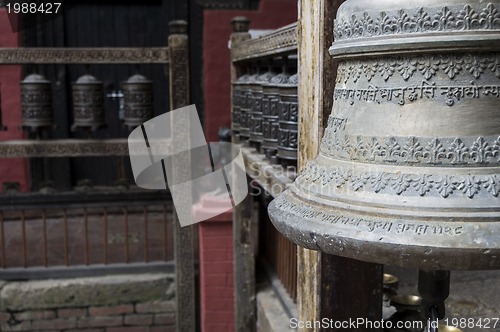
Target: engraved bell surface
point(408, 171)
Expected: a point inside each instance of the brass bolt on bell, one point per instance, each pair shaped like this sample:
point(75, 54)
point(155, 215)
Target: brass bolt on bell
point(137, 100)
point(88, 103)
point(36, 102)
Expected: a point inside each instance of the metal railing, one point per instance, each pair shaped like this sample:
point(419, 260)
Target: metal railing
point(281, 255)
point(86, 231)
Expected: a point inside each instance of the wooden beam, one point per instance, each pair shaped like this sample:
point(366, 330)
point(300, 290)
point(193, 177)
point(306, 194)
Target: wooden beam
point(280, 41)
point(313, 57)
point(183, 236)
point(351, 289)
point(63, 148)
point(87, 55)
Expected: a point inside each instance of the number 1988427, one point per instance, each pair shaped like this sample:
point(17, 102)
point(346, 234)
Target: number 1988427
point(33, 8)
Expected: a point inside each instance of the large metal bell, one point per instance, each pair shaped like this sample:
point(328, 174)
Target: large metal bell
point(408, 171)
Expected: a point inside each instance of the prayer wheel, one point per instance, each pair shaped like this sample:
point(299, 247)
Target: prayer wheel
point(36, 102)
point(137, 100)
point(88, 103)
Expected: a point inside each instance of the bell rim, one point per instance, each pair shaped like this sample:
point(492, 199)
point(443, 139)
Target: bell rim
point(384, 248)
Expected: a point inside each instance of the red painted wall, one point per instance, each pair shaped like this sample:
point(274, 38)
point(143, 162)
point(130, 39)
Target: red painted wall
point(272, 14)
point(216, 238)
point(11, 170)
point(216, 274)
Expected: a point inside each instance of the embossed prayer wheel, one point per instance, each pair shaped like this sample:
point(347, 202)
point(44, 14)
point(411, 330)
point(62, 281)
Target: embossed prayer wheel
point(238, 94)
point(288, 117)
point(270, 104)
point(408, 171)
point(36, 102)
point(88, 103)
point(257, 92)
point(137, 100)
point(246, 105)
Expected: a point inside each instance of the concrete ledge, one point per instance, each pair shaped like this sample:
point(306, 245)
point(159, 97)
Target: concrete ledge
point(95, 291)
point(271, 316)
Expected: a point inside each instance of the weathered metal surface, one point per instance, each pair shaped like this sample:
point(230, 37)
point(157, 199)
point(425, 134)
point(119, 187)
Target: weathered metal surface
point(36, 102)
point(239, 96)
point(88, 103)
point(283, 40)
point(288, 117)
point(246, 106)
point(408, 171)
point(96, 55)
point(137, 100)
point(69, 148)
point(270, 108)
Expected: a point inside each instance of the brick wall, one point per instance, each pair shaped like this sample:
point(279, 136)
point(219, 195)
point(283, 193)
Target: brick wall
point(216, 273)
point(143, 305)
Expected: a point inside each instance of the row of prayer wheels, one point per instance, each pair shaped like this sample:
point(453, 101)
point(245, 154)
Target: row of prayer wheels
point(265, 112)
point(88, 102)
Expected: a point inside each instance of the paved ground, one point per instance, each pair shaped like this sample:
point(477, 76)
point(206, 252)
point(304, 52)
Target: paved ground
point(474, 295)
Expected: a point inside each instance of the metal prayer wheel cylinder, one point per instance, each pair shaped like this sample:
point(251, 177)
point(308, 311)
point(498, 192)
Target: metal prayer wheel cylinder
point(36, 102)
point(257, 90)
point(288, 117)
point(137, 100)
point(408, 171)
point(246, 106)
point(238, 94)
point(88, 103)
point(270, 104)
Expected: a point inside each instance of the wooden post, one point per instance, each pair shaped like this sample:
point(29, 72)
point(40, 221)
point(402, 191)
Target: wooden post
point(313, 67)
point(183, 236)
point(328, 286)
point(244, 260)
